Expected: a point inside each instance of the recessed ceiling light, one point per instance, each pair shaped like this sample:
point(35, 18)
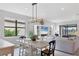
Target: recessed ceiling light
point(62, 9)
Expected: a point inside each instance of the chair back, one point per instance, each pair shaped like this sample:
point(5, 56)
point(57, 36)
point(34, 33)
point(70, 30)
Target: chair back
point(22, 37)
point(52, 46)
point(22, 40)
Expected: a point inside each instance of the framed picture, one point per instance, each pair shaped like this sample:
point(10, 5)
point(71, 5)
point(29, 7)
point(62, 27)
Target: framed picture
point(44, 30)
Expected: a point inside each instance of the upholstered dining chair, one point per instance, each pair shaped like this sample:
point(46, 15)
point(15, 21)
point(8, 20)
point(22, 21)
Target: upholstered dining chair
point(25, 49)
point(21, 42)
point(50, 50)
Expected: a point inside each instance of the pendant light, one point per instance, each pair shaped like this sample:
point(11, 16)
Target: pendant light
point(34, 15)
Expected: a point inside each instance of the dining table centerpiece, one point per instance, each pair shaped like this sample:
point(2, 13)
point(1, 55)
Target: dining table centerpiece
point(34, 37)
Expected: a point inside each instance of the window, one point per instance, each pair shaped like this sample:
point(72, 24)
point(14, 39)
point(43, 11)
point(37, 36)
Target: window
point(14, 28)
point(68, 30)
point(42, 30)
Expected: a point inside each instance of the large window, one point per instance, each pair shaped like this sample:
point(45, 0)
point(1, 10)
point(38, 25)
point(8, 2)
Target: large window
point(68, 30)
point(14, 28)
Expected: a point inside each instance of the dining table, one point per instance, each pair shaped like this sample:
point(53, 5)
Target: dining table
point(38, 44)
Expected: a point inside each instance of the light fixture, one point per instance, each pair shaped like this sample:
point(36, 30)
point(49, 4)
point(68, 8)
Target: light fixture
point(35, 19)
point(34, 11)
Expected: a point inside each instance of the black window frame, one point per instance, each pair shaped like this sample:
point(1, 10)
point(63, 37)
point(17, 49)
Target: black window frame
point(16, 25)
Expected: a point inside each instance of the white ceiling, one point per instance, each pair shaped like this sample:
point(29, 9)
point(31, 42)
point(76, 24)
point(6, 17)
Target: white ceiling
point(54, 12)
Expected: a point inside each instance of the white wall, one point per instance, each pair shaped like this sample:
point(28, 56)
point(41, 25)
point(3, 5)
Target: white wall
point(1, 27)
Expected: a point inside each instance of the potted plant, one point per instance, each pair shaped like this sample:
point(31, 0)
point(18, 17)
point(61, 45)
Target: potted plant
point(34, 37)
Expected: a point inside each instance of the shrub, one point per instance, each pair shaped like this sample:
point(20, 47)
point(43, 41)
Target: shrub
point(9, 32)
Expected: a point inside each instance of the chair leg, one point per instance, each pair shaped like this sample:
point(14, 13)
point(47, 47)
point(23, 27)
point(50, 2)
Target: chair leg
point(19, 51)
point(53, 53)
point(36, 51)
point(41, 53)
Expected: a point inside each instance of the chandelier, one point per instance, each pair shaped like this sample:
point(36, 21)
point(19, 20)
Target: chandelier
point(34, 15)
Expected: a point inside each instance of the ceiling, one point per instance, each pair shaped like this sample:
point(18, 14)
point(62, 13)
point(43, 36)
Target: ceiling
point(54, 12)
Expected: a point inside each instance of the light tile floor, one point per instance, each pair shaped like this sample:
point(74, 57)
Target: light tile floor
point(57, 53)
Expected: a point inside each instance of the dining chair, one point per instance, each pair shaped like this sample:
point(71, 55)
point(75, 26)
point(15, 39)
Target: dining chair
point(25, 48)
point(21, 43)
point(50, 50)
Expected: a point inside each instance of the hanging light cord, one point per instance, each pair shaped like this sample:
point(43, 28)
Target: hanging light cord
point(36, 12)
point(32, 12)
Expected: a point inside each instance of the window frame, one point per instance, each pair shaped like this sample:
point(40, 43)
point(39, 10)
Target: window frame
point(16, 22)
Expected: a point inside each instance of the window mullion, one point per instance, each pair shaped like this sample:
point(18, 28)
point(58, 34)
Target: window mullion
point(16, 28)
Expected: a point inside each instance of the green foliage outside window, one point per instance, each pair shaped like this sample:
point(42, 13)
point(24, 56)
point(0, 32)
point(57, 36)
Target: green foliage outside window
point(9, 32)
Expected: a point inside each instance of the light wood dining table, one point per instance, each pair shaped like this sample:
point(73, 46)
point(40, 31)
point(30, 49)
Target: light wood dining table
point(6, 48)
point(37, 44)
